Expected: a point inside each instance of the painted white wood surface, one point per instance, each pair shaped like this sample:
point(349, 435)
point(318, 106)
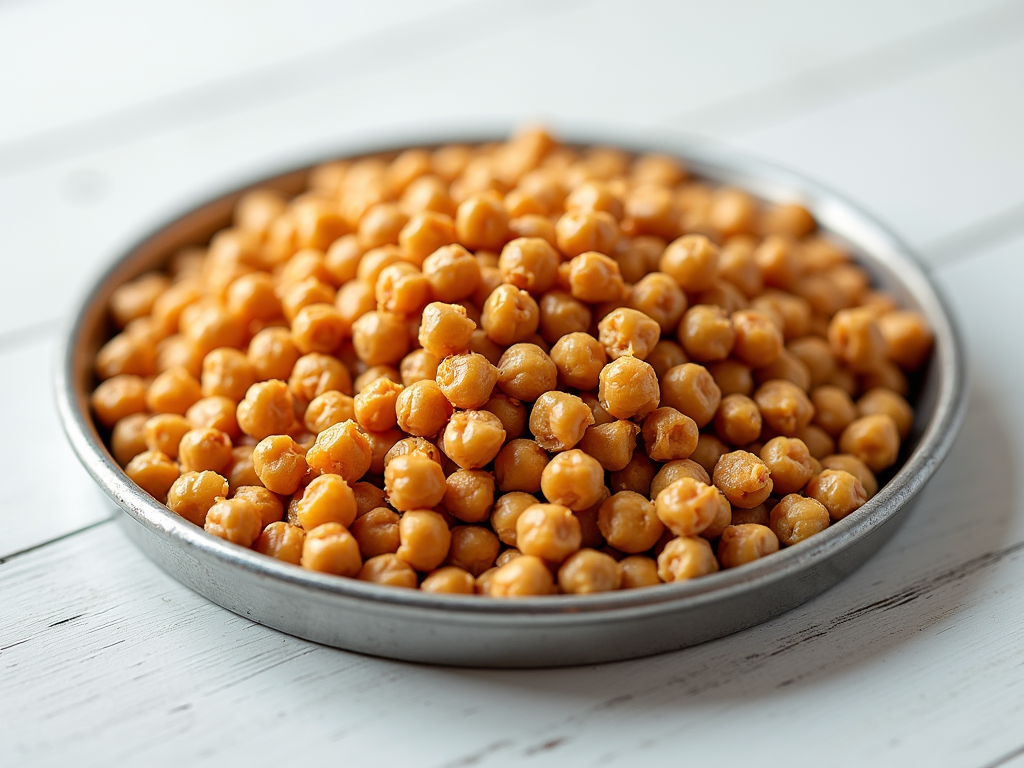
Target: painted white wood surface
point(911, 107)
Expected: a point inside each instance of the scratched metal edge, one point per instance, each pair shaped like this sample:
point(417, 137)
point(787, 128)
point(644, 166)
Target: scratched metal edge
point(416, 626)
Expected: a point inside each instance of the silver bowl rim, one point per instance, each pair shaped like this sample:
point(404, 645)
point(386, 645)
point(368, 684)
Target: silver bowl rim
point(705, 159)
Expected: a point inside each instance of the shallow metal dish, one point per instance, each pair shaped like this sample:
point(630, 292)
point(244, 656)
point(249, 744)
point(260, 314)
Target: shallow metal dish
point(559, 630)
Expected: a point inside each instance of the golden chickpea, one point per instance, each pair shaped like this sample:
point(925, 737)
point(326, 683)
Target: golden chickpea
point(691, 390)
point(125, 355)
point(327, 499)
point(472, 438)
point(401, 289)
point(518, 466)
point(706, 333)
point(164, 432)
point(887, 375)
point(128, 438)
point(453, 273)
point(561, 314)
point(738, 420)
point(659, 297)
point(789, 462)
point(559, 420)
point(692, 261)
point(375, 405)
point(227, 373)
point(840, 492)
point(354, 300)
point(135, 299)
point(638, 571)
point(173, 391)
point(908, 339)
point(425, 233)
point(856, 467)
point(626, 331)
point(573, 479)
point(525, 576)
point(686, 557)
point(507, 556)
point(628, 387)
point(119, 397)
point(666, 355)
point(332, 407)
point(509, 315)
point(506, 512)
point(202, 449)
point(834, 409)
point(817, 440)
point(281, 541)
point(708, 451)
point(796, 518)
point(429, 193)
point(466, 380)
point(874, 439)
point(341, 449)
point(758, 339)
point(885, 401)
point(636, 476)
point(588, 571)
point(304, 293)
point(594, 277)
point(272, 354)
point(578, 231)
point(784, 406)
point(381, 225)
point(425, 539)
point(217, 412)
point(579, 359)
point(612, 444)
point(153, 472)
point(418, 365)
point(414, 445)
point(669, 435)
point(413, 481)
point(376, 532)
point(303, 265)
point(380, 338)
point(330, 548)
point(651, 210)
point(481, 221)
point(510, 412)
point(532, 225)
point(548, 531)
point(741, 544)
point(234, 520)
point(469, 495)
point(676, 470)
point(252, 297)
point(686, 507)
point(268, 409)
point(525, 372)
point(737, 265)
point(759, 515)
point(445, 329)
point(856, 339)
point(422, 409)
point(240, 471)
point(341, 262)
point(280, 464)
point(817, 355)
point(743, 478)
point(389, 570)
point(193, 493)
point(530, 264)
point(317, 373)
point(267, 503)
point(473, 549)
point(449, 580)
point(210, 326)
point(629, 522)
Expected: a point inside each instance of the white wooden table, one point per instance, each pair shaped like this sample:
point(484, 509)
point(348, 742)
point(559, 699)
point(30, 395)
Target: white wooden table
point(114, 113)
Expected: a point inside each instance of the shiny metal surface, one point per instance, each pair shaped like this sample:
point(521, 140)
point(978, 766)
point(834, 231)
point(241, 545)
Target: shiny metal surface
point(559, 630)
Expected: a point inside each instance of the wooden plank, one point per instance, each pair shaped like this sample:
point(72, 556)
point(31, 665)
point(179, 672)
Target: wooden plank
point(913, 660)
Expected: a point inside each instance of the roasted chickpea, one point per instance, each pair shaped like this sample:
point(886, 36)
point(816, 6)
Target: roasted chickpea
point(128, 438)
point(240, 471)
point(469, 495)
point(856, 339)
point(789, 462)
point(692, 261)
point(281, 541)
point(658, 296)
point(691, 390)
point(612, 444)
point(453, 273)
point(669, 435)
point(676, 470)
point(834, 409)
point(708, 451)
point(784, 406)
point(510, 412)
point(325, 410)
point(341, 261)
point(234, 520)
point(636, 476)
point(272, 354)
point(573, 479)
point(885, 401)
point(874, 439)
point(588, 571)
point(341, 449)
point(509, 315)
point(193, 493)
point(414, 481)
point(449, 580)
point(518, 466)
point(548, 531)
point(840, 492)
point(686, 507)
point(445, 329)
point(706, 333)
point(743, 478)
point(354, 300)
point(626, 331)
point(561, 314)
point(472, 438)
point(425, 233)
point(629, 522)
point(154, 472)
point(578, 231)
point(741, 544)
point(481, 221)
point(638, 571)
point(666, 355)
point(266, 502)
point(330, 548)
point(390, 570)
point(686, 557)
point(908, 339)
point(268, 409)
point(375, 405)
point(796, 518)
point(855, 467)
point(559, 420)
point(280, 464)
point(376, 532)
point(594, 277)
point(473, 549)
point(119, 397)
point(466, 380)
point(173, 391)
point(579, 359)
point(738, 420)
point(164, 432)
point(817, 355)
point(125, 355)
point(380, 338)
point(524, 576)
point(629, 387)
point(529, 263)
point(525, 372)
point(327, 499)
point(425, 539)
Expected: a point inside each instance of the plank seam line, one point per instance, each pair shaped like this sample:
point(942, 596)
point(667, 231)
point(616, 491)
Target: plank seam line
point(975, 239)
point(7, 558)
point(1005, 758)
point(28, 334)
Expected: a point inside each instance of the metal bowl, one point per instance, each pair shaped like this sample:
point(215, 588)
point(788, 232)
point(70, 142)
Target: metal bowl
point(535, 632)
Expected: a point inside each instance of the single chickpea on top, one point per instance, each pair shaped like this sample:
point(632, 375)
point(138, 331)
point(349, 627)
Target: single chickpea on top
point(472, 332)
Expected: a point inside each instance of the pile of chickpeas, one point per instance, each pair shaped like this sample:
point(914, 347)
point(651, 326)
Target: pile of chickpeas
point(510, 369)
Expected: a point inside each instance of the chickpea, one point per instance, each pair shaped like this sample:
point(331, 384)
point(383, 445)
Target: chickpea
point(375, 260)
point(691, 390)
point(530, 264)
point(743, 478)
point(594, 277)
point(376, 532)
point(834, 409)
point(525, 372)
point(789, 463)
point(422, 409)
point(658, 296)
point(473, 549)
point(561, 315)
point(429, 193)
point(217, 412)
point(449, 580)
point(840, 492)
point(280, 464)
point(128, 438)
point(481, 221)
point(240, 471)
point(628, 387)
point(612, 444)
point(626, 331)
point(425, 539)
point(708, 451)
point(281, 541)
point(588, 571)
point(676, 470)
point(796, 518)
point(635, 476)
point(524, 576)
point(594, 196)
point(686, 507)
point(741, 544)
point(507, 556)
point(375, 405)
point(234, 520)
point(453, 273)
point(738, 420)
point(354, 300)
point(269, 506)
point(135, 299)
point(445, 329)
point(908, 339)
point(472, 438)
point(548, 531)
point(193, 493)
point(578, 359)
point(119, 397)
point(268, 409)
point(425, 233)
point(532, 225)
point(317, 373)
point(341, 449)
point(759, 515)
point(573, 479)
point(341, 261)
point(578, 231)
point(389, 570)
point(692, 261)
point(510, 412)
point(509, 315)
point(784, 406)
point(855, 467)
point(416, 445)
point(202, 449)
point(816, 354)
point(886, 376)
point(559, 420)
point(153, 472)
point(418, 365)
point(686, 557)
point(210, 326)
point(380, 338)
point(885, 401)
point(706, 333)
point(327, 499)
point(856, 339)
point(414, 481)
point(506, 512)
point(638, 571)
point(466, 380)
point(874, 439)
point(518, 467)
point(469, 495)
point(330, 548)
point(325, 410)
point(651, 210)
point(125, 355)
point(173, 391)
point(629, 522)
point(272, 354)
point(669, 435)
